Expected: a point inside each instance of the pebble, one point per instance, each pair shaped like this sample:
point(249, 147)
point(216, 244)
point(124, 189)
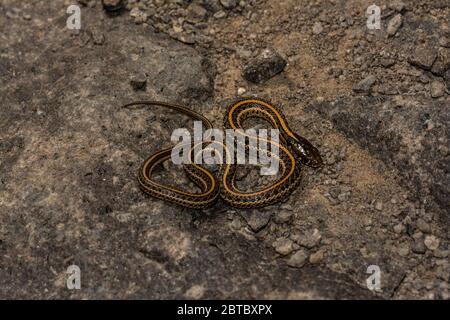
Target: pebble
point(316, 257)
point(282, 217)
point(379, 205)
point(365, 85)
point(317, 28)
point(229, 4)
point(138, 81)
point(220, 14)
point(197, 11)
point(283, 246)
point(403, 250)
point(423, 57)
point(394, 24)
point(138, 15)
point(264, 66)
point(112, 5)
point(256, 220)
point(432, 242)
point(298, 259)
point(241, 91)
point(398, 6)
point(309, 239)
point(399, 228)
point(437, 89)
point(418, 246)
point(423, 226)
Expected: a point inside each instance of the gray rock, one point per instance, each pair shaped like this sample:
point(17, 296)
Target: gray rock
point(317, 28)
point(197, 11)
point(437, 89)
point(423, 57)
point(256, 219)
point(397, 5)
point(263, 67)
point(447, 79)
point(283, 246)
point(229, 4)
point(283, 216)
point(298, 259)
point(138, 81)
point(442, 63)
point(394, 24)
point(211, 5)
point(316, 257)
point(308, 239)
point(432, 242)
point(423, 226)
point(365, 85)
point(419, 247)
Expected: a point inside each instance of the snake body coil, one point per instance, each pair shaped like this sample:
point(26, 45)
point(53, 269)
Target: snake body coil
point(294, 151)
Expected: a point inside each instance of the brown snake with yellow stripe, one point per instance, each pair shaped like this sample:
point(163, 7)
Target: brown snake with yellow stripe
point(294, 151)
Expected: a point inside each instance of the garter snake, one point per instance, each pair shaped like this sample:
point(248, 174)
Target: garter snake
point(294, 151)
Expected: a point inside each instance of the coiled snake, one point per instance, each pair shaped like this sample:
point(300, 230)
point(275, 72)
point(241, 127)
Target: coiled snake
point(294, 151)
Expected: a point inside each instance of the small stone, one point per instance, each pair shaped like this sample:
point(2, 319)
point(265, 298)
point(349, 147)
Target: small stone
point(441, 253)
point(317, 28)
point(212, 5)
point(403, 250)
point(398, 6)
point(444, 42)
point(282, 217)
point(432, 242)
point(316, 257)
point(308, 240)
point(138, 81)
point(264, 66)
point(418, 246)
point(387, 62)
point(379, 205)
point(399, 228)
point(423, 226)
point(423, 57)
point(220, 14)
point(229, 4)
point(283, 246)
point(437, 89)
point(138, 15)
point(298, 259)
point(256, 220)
point(197, 11)
point(394, 24)
point(442, 63)
point(241, 91)
point(112, 5)
point(365, 85)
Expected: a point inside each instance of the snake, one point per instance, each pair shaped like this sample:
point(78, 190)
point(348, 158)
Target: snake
point(294, 151)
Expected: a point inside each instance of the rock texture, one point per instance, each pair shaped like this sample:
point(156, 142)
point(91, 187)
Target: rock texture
point(69, 153)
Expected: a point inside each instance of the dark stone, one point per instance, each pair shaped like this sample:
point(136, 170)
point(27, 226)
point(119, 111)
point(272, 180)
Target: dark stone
point(113, 5)
point(263, 67)
point(423, 57)
point(365, 85)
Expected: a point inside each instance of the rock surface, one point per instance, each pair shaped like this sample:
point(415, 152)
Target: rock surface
point(69, 153)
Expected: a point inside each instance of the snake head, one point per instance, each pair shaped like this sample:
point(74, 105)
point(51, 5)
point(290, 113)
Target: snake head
point(308, 154)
